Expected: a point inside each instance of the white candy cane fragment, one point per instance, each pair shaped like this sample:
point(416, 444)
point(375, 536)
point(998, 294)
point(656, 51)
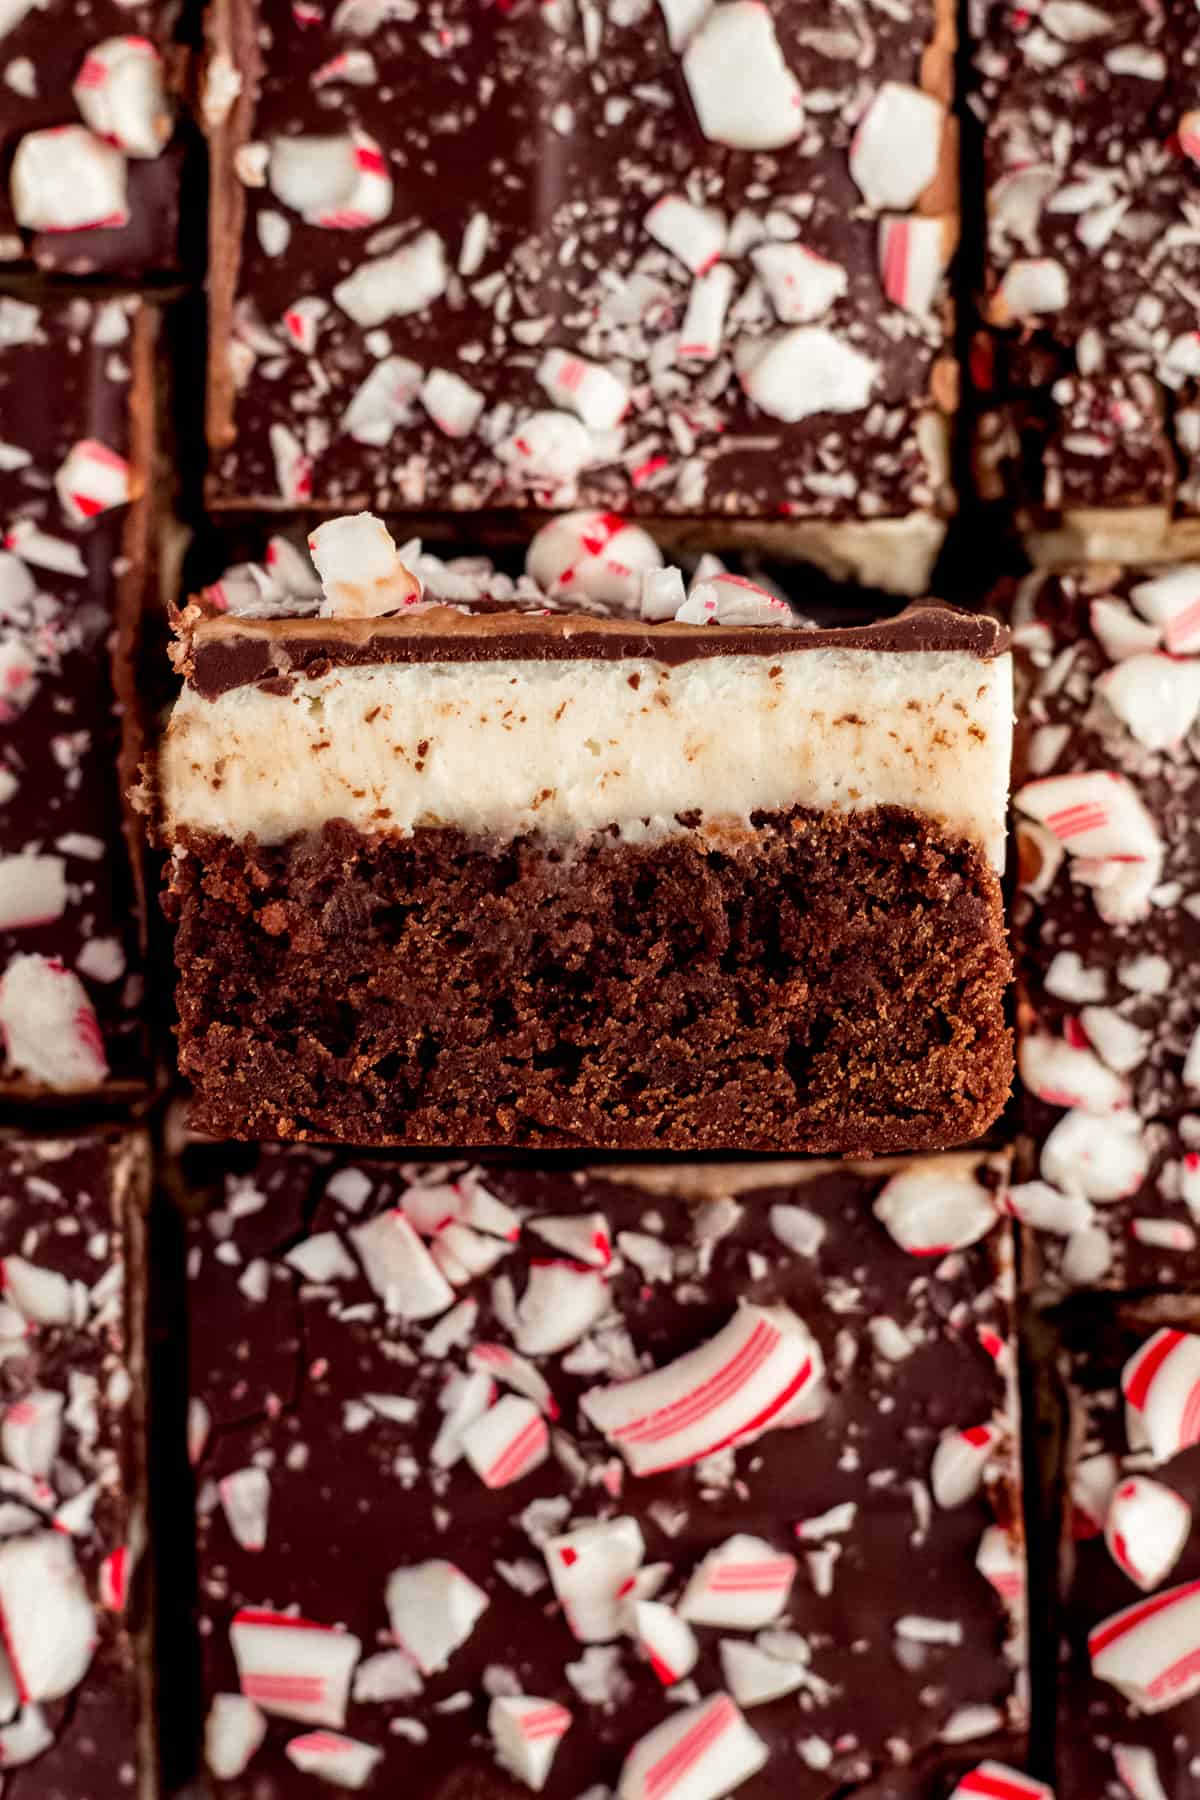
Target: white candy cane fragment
point(526, 1733)
point(560, 1303)
point(433, 1608)
point(894, 152)
point(1172, 602)
point(26, 1738)
point(44, 550)
point(1044, 1208)
point(754, 1676)
point(293, 1667)
point(42, 1296)
point(384, 401)
point(591, 1569)
point(508, 1442)
point(33, 890)
point(47, 1025)
point(807, 371)
point(702, 1753)
point(293, 465)
point(1095, 814)
point(1136, 1766)
point(31, 1434)
point(302, 320)
point(233, 1731)
point(667, 1641)
point(801, 285)
point(695, 234)
point(360, 571)
point(587, 388)
point(498, 1361)
point(1002, 1566)
point(1065, 1074)
point(910, 262)
point(929, 1210)
point(546, 448)
point(732, 600)
point(585, 1237)
point(743, 91)
point(67, 179)
point(1157, 697)
point(996, 1781)
point(956, 1473)
point(1161, 1382)
point(92, 479)
point(1150, 1652)
point(46, 1618)
point(663, 593)
point(344, 1762)
point(704, 321)
point(400, 1268)
point(340, 183)
point(744, 1584)
point(1030, 287)
point(593, 553)
point(452, 403)
point(758, 1368)
point(119, 93)
point(1120, 632)
point(1146, 1529)
point(245, 1499)
point(392, 287)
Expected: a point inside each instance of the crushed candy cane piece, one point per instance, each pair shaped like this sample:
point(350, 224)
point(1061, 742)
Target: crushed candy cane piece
point(294, 1667)
point(1099, 1156)
point(407, 281)
point(1137, 1768)
point(744, 1583)
point(399, 1267)
point(894, 153)
point(590, 1569)
point(547, 447)
point(1146, 1529)
point(48, 1026)
point(597, 554)
point(233, 1731)
point(1172, 602)
point(119, 92)
point(1032, 286)
point(704, 320)
point(360, 571)
point(560, 1303)
point(701, 1753)
point(668, 1641)
point(911, 257)
point(92, 479)
point(586, 1238)
point(526, 1733)
point(929, 1210)
point(1094, 814)
point(68, 179)
point(31, 1434)
point(1064, 1074)
point(507, 1442)
point(695, 234)
point(956, 1473)
point(1161, 1382)
point(743, 91)
point(1157, 697)
point(587, 388)
point(433, 1608)
point(801, 285)
point(807, 371)
point(452, 403)
point(1150, 1652)
point(996, 1781)
point(245, 1498)
point(344, 1762)
point(46, 1618)
point(754, 1675)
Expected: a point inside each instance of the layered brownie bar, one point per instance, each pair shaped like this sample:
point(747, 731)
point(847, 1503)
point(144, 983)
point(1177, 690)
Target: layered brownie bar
point(89, 176)
point(493, 870)
point(76, 381)
point(681, 260)
point(75, 1720)
point(681, 1481)
point(1129, 1716)
point(1107, 921)
point(1092, 424)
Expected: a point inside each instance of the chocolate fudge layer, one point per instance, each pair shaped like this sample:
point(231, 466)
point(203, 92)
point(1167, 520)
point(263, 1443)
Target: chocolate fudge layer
point(683, 260)
point(1091, 151)
point(516, 1479)
point(1107, 920)
point(76, 436)
point(505, 874)
point(89, 176)
point(75, 1720)
point(1129, 1716)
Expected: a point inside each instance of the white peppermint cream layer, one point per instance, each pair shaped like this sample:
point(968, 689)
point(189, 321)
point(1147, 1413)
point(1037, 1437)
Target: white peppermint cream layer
point(576, 746)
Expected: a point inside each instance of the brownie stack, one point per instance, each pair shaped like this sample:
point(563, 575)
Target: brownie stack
point(542, 1247)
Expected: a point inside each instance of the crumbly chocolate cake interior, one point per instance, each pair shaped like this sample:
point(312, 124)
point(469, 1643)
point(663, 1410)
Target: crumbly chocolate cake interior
point(828, 981)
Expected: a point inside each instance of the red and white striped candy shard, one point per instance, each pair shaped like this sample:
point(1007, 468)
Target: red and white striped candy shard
point(1172, 602)
point(119, 93)
point(733, 600)
point(754, 1676)
point(48, 1025)
point(1091, 1488)
point(233, 1731)
point(1150, 1652)
point(801, 285)
point(113, 1584)
point(910, 262)
point(547, 448)
point(996, 1781)
point(452, 403)
point(32, 1432)
point(584, 387)
point(1002, 1566)
point(587, 1239)
point(516, 1372)
point(433, 1608)
point(702, 1753)
point(301, 322)
point(1146, 1529)
point(293, 464)
point(508, 1442)
point(703, 325)
point(1095, 814)
point(463, 1400)
point(744, 1583)
point(956, 1473)
point(1101, 1156)
point(68, 179)
point(1161, 1382)
point(526, 1733)
point(1155, 696)
point(1136, 1766)
point(591, 1569)
point(294, 1667)
point(894, 152)
point(344, 1762)
point(929, 1211)
point(742, 89)
point(46, 1619)
point(245, 1498)
point(561, 1302)
point(1065, 1074)
point(592, 553)
point(399, 1267)
point(728, 1391)
point(92, 479)
point(361, 572)
point(668, 1641)
point(341, 182)
point(695, 234)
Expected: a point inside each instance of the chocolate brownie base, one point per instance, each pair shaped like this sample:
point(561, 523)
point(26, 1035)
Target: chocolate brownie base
point(822, 982)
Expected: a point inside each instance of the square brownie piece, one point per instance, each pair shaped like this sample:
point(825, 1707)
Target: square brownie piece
point(76, 420)
point(537, 1478)
point(496, 869)
point(681, 261)
point(75, 1714)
